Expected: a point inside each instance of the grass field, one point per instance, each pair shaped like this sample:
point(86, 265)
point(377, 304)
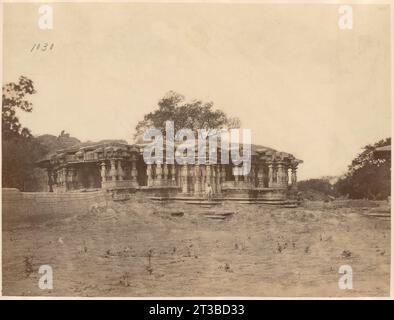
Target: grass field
point(153, 249)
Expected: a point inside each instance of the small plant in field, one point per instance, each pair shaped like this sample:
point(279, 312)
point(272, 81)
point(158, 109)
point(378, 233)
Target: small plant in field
point(124, 279)
point(28, 262)
point(149, 266)
point(346, 254)
point(227, 267)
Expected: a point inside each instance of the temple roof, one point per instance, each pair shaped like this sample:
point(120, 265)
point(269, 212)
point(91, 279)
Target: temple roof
point(108, 146)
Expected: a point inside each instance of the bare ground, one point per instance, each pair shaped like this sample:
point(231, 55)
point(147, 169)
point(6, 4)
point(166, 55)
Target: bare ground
point(145, 249)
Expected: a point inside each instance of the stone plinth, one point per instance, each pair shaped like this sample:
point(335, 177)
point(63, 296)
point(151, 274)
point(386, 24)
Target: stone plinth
point(271, 193)
point(119, 184)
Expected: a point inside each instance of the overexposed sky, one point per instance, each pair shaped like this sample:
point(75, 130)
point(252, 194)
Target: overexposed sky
point(289, 73)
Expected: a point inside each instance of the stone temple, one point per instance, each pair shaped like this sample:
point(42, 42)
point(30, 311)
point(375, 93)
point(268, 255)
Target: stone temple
point(119, 169)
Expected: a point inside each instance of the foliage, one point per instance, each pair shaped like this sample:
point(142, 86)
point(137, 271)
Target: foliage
point(192, 115)
point(368, 176)
point(14, 98)
point(19, 156)
point(319, 185)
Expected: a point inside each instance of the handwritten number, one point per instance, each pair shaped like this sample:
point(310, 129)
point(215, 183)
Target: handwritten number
point(44, 46)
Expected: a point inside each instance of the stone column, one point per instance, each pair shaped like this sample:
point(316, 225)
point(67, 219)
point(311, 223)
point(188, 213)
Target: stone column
point(149, 175)
point(103, 172)
point(178, 170)
point(280, 175)
point(159, 173)
point(112, 171)
point(260, 175)
point(120, 171)
point(134, 171)
point(197, 179)
point(61, 177)
point(223, 173)
point(173, 174)
point(236, 177)
point(218, 179)
point(294, 177)
point(50, 180)
point(286, 175)
point(207, 176)
point(270, 175)
point(70, 178)
point(65, 178)
point(253, 175)
point(247, 178)
point(203, 178)
point(184, 179)
point(213, 178)
point(165, 172)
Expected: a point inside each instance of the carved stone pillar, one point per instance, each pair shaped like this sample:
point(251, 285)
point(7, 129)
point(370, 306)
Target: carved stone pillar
point(59, 177)
point(253, 175)
point(70, 178)
point(178, 170)
point(213, 178)
point(247, 178)
point(165, 172)
point(286, 175)
point(50, 180)
point(173, 178)
point(134, 172)
point(270, 175)
point(65, 178)
point(120, 171)
point(203, 178)
point(223, 173)
point(218, 179)
point(103, 172)
point(149, 175)
point(159, 173)
point(280, 175)
point(294, 177)
point(62, 177)
point(236, 177)
point(260, 175)
point(184, 179)
point(112, 171)
point(197, 179)
point(208, 176)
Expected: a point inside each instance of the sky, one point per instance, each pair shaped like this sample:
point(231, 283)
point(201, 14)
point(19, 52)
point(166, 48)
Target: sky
point(292, 76)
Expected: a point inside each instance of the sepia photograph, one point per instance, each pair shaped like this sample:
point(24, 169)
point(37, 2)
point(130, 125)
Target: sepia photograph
point(196, 149)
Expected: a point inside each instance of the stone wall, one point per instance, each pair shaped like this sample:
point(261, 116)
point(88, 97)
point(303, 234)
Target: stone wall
point(28, 207)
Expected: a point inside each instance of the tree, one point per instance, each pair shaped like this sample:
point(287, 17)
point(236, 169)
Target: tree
point(20, 149)
point(192, 115)
point(13, 98)
point(368, 176)
point(19, 156)
point(320, 185)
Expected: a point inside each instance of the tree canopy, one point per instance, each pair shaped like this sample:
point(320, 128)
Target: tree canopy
point(193, 115)
point(14, 98)
point(368, 176)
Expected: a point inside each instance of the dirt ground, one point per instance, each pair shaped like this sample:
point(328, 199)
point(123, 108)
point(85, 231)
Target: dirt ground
point(153, 249)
